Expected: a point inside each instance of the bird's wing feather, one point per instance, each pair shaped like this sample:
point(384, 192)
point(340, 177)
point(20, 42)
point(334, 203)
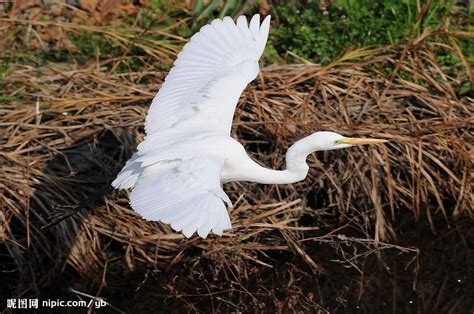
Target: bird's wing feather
point(201, 91)
point(184, 192)
point(174, 177)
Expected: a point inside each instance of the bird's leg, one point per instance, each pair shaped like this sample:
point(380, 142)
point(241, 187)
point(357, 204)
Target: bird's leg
point(56, 218)
point(71, 210)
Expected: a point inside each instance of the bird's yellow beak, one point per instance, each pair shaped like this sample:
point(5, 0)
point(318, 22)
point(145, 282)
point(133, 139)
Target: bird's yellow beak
point(360, 141)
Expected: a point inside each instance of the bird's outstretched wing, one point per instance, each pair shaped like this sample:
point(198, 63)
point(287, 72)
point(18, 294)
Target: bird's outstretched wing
point(202, 90)
point(197, 99)
point(185, 193)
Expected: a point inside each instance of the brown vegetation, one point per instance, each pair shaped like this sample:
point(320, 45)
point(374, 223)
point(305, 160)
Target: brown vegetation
point(345, 228)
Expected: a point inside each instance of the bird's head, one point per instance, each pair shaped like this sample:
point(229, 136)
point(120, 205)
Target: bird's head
point(331, 140)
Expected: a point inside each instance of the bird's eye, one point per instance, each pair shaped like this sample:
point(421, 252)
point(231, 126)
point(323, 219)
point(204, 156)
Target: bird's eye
point(341, 140)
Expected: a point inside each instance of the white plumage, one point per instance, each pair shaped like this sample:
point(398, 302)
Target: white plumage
point(187, 152)
point(196, 101)
point(208, 77)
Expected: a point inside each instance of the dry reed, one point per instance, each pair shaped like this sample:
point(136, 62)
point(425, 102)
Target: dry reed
point(74, 126)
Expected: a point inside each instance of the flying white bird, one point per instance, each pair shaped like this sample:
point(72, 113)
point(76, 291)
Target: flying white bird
point(187, 153)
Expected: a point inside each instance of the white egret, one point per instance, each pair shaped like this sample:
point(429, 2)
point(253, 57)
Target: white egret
point(187, 153)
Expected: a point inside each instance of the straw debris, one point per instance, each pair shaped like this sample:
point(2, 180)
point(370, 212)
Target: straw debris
point(67, 129)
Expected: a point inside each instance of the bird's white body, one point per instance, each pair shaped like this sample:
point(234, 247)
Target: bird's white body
point(176, 174)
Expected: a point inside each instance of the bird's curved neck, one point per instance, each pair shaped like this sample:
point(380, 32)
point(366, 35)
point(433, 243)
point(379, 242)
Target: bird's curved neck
point(296, 167)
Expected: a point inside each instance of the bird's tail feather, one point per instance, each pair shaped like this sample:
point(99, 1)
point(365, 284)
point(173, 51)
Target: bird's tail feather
point(128, 176)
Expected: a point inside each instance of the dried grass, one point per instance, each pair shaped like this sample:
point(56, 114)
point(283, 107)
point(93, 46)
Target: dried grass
point(76, 125)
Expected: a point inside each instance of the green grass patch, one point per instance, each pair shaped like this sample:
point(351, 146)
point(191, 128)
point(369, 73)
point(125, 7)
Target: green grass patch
point(322, 35)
